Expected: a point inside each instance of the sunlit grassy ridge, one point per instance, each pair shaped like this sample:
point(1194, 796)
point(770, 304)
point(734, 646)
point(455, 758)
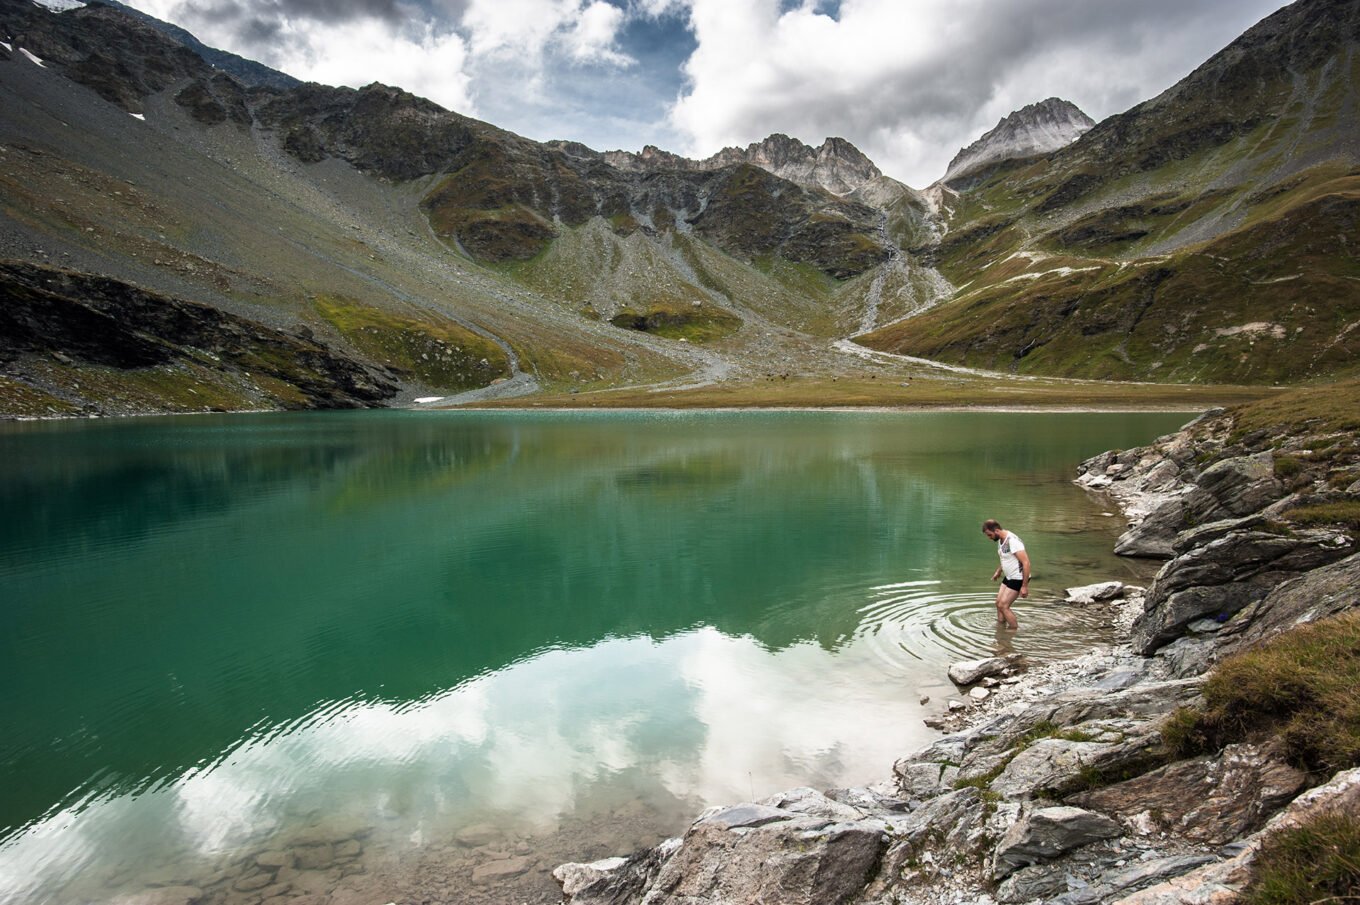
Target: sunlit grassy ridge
point(1276, 300)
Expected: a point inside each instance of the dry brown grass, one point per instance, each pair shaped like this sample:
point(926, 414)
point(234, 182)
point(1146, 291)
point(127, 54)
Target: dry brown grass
point(1313, 863)
point(1302, 687)
point(964, 391)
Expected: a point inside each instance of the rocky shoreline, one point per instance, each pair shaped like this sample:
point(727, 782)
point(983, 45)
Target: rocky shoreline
point(1058, 784)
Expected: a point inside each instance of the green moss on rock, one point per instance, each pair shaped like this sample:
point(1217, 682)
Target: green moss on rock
point(692, 323)
point(439, 353)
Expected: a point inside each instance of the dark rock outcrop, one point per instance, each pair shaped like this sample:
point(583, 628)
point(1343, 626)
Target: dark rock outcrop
point(1321, 592)
point(118, 56)
point(1225, 575)
point(245, 72)
point(1212, 800)
point(380, 130)
point(1228, 489)
point(1044, 833)
point(94, 320)
point(215, 100)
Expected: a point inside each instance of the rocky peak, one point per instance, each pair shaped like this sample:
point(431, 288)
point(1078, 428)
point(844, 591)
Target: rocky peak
point(1035, 129)
point(650, 159)
point(837, 166)
point(119, 57)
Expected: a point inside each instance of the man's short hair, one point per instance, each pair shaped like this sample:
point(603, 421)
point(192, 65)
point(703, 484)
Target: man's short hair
point(991, 525)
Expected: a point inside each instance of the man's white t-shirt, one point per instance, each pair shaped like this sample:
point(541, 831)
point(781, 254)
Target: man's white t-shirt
point(1010, 563)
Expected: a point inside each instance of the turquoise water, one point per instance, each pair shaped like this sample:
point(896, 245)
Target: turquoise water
point(220, 633)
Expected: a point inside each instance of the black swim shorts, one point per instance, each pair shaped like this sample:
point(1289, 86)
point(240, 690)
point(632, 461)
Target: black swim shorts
point(1013, 583)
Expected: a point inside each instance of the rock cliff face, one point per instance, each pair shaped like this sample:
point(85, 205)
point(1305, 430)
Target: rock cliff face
point(121, 58)
point(1062, 788)
point(1028, 132)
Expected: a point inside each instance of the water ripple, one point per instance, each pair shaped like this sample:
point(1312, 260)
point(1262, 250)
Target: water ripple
point(917, 621)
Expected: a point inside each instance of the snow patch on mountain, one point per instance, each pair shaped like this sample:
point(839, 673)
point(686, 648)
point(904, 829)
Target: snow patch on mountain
point(1036, 129)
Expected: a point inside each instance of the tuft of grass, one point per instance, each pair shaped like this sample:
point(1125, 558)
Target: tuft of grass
point(1182, 734)
point(1303, 686)
point(1341, 512)
point(1048, 729)
point(1287, 466)
point(1316, 862)
point(983, 783)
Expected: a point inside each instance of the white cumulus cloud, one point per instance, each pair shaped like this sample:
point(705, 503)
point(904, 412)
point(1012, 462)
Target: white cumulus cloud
point(911, 83)
point(355, 46)
point(424, 61)
point(525, 30)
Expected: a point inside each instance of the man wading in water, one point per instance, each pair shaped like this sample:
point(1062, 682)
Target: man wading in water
point(1014, 567)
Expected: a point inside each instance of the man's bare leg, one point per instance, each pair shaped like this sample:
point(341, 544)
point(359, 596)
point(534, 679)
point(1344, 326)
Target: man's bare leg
point(1004, 598)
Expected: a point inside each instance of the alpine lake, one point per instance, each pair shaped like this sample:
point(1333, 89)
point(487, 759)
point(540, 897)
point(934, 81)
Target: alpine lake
point(427, 656)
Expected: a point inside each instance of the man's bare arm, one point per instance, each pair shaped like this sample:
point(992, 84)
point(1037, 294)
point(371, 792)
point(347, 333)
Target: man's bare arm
point(1024, 564)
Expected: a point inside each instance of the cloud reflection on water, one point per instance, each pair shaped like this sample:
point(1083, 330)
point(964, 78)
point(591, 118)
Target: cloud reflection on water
point(527, 744)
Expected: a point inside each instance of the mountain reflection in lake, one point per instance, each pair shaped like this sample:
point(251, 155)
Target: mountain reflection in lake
point(361, 634)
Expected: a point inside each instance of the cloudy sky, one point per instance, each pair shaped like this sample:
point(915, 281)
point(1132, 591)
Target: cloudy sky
point(908, 81)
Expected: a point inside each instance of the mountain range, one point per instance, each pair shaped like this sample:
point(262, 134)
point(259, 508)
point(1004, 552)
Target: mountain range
point(183, 229)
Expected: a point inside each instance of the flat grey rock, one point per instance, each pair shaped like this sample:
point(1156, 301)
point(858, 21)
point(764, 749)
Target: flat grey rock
point(1094, 593)
point(810, 802)
point(966, 672)
point(746, 815)
point(1042, 834)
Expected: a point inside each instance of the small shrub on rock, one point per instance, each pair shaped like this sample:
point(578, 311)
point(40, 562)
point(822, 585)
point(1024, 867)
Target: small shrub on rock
point(1182, 733)
point(1287, 467)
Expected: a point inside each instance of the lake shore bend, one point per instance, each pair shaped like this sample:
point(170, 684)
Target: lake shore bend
point(1113, 776)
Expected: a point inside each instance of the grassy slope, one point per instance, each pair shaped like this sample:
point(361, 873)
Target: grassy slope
point(1275, 300)
point(1142, 252)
